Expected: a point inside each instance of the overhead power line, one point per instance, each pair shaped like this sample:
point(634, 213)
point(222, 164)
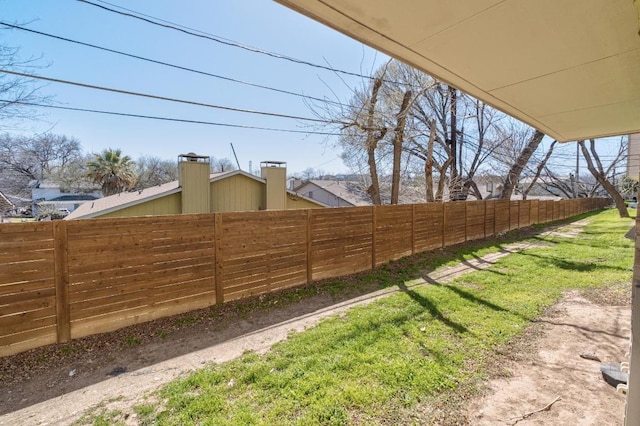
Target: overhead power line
point(162, 98)
point(221, 40)
point(154, 61)
point(152, 117)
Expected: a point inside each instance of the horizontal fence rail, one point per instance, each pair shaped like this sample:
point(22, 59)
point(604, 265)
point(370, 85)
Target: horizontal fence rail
point(63, 280)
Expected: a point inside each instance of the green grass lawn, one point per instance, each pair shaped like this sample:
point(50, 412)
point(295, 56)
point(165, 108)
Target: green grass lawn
point(379, 362)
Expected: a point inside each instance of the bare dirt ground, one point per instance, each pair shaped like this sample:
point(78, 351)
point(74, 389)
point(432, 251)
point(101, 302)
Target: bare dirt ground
point(551, 369)
point(57, 385)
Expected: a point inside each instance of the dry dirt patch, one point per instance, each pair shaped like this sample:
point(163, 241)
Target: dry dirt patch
point(552, 368)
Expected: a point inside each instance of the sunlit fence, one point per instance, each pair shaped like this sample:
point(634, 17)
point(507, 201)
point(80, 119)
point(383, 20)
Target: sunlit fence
point(62, 280)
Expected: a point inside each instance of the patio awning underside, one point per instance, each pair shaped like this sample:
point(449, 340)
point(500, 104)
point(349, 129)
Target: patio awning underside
point(570, 68)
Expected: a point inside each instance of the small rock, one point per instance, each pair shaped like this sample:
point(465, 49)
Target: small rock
point(72, 373)
point(423, 329)
point(231, 383)
point(590, 355)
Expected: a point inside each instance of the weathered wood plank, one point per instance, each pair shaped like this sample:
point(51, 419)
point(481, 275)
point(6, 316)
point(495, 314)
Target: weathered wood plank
point(115, 320)
point(19, 342)
point(514, 214)
point(454, 223)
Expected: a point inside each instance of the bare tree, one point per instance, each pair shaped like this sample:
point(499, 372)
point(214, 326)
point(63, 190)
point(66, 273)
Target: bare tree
point(152, 171)
point(23, 159)
point(597, 170)
point(17, 94)
point(221, 165)
point(539, 169)
point(516, 168)
point(398, 141)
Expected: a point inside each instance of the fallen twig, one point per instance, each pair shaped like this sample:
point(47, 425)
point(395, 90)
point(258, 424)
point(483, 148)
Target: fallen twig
point(525, 416)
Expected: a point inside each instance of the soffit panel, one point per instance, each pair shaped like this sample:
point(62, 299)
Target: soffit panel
point(529, 39)
point(598, 122)
point(609, 81)
point(487, 49)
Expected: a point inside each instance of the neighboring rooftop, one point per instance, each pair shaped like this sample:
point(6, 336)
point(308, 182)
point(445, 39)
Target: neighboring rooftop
point(349, 191)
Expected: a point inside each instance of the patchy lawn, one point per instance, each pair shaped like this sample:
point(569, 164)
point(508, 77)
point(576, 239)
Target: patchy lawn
point(377, 363)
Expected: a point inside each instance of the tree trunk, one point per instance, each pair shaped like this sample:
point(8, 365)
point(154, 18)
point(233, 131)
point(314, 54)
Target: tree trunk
point(372, 144)
point(428, 164)
point(602, 179)
point(454, 182)
point(521, 162)
point(541, 166)
point(398, 140)
point(443, 179)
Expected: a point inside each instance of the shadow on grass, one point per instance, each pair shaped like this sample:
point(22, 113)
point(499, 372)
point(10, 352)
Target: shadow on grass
point(572, 265)
point(433, 309)
point(475, 299)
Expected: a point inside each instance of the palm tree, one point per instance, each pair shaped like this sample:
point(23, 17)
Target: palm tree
point(112, 170)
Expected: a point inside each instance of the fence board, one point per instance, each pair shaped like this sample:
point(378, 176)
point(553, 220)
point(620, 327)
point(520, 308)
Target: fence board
point(17, 299)
point(14, 343)
point(475, 220)
point(117, 266)
point(454, 223)
point(535, 212)
point(394, 228)
point(550, 210)
point(27, 286)
point(112, 273)
point(275, 253)
point(514, 214)
point(524, 216)
point(502, 215)
point(341, 241)
point(115, 320)
point(429, 222)
point(490, 218)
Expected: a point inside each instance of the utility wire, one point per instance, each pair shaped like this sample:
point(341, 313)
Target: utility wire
point(162, 98)
point(201, 34)
point(154, 61)
point(152, 117)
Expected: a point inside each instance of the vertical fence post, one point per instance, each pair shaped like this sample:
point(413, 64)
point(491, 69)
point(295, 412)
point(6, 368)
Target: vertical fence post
point(61, 273)
point(217, 233)
point(309, 247)
point(374, 225)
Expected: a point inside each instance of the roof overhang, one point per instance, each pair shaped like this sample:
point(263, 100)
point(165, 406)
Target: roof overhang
point(569, 68)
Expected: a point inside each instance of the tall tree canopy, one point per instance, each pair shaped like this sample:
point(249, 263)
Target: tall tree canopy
point(112, 170)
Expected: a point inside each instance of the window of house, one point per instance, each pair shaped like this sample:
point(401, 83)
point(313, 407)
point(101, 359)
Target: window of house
point(489, 186)
point(310, 194)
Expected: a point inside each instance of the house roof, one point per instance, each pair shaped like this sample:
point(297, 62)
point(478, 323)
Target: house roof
point(347, 191)
point(122, 200)
point(75, 197)
point(569, 68)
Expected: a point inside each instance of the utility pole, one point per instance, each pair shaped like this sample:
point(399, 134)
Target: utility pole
point(454, 187)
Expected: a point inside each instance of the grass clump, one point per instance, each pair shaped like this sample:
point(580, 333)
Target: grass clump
point(377, 362)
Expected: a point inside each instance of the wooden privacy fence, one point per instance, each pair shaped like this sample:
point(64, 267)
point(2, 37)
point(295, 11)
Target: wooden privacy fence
point(67, 279)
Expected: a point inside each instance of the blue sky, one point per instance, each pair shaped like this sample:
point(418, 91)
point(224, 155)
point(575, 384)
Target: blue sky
point(263, 24)
point(258, 23)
